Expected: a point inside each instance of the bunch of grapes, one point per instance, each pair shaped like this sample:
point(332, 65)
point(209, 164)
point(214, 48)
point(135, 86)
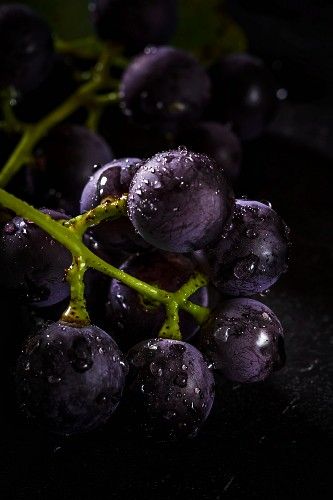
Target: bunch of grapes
point(133, 282)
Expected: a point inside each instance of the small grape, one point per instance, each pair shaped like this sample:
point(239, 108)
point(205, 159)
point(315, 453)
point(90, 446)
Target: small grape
point(70, 379)
point(164, 88)
point(251, 257)
point(170, 387)
point(26, 47)
point(113, 179)
point(180, 201)
point(32, 263)
point(244, 340)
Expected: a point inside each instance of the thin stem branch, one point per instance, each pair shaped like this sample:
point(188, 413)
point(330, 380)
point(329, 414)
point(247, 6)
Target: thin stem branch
point(34, 133)
point(72, 241)
point(76, 312)
point(110, 208)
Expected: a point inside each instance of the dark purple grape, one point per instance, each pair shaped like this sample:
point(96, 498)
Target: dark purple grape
point(54, 89)
point(136, 318)
point(219, 142)
point(243, 93)
point(251, 257)
point(244, 340)
point(70, 379)
point(135, 23)
point(113, 179)
point(64, 161)
point(97, 284)
point(164, 88)
point(26, 47)
point(170, 387)
point(180, 201)
point(32, 263)
point(127, 138)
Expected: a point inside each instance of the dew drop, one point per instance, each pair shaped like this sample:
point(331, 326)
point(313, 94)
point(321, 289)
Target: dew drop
point(245, 267)
point(10, 228)
point(251, 233)
point(169, 414)
point(181, 380)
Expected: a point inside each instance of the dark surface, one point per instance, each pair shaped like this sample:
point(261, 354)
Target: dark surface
point(267, 440)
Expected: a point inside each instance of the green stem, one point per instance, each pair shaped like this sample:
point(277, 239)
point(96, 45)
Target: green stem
point(12, 124)
point(94, 117)
point(110, 208)
point(104, 99)
point(95, 108)
point(84, 48)
point(72, 241)
point(170, 328)
point(76, 312)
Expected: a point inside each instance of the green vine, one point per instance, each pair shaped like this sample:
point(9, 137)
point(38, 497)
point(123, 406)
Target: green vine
point(98, 91)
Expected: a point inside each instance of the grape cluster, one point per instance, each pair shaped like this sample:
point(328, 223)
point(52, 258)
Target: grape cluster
point(189, 253)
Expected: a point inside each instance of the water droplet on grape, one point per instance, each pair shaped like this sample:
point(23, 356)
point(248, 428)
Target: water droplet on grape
point(155, 369)
point(246, 267)
point(251, 233)
point(10, 228)
point(181, 380)
point(169, 414)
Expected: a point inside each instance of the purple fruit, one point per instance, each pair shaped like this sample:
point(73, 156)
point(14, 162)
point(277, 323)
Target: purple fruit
point(26, 47)
point(113, 179)
point(244, 340)
point(180, 201)
point(253, 254)
point(170, 387)
point(32, 263)
point(164, 88)
point(70, 379)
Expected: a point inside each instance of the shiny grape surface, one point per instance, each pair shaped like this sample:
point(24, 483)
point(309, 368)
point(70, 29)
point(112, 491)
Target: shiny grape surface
point(70, 379)
point(26, 47)
point(165, 88)
point(138, 319)
point(113, 179)
point(244, 340)
point(253, 254)
point(135, 23)
point(32, 263)
point(169, 388)
point(180, 201)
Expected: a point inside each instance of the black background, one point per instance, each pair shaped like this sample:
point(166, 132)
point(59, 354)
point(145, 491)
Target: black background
point(268, 440)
